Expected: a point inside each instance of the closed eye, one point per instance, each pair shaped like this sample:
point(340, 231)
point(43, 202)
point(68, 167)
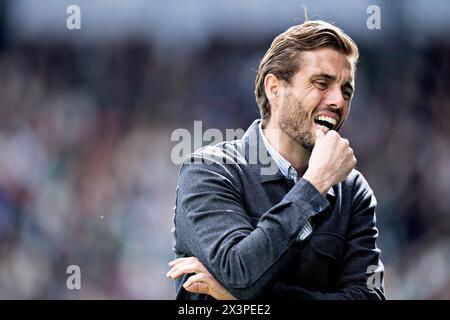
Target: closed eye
point(347, 94)
point(321, 84)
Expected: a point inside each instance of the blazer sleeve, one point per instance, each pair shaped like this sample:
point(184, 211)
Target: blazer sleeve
point(362, 273)
point(213, 225)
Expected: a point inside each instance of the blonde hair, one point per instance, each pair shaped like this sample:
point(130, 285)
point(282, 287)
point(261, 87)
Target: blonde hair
point(281, 59)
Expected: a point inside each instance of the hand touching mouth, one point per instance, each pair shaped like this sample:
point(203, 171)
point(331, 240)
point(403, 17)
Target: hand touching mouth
point(326, 121)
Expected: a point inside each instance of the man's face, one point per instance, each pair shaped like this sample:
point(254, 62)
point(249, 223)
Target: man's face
point(318, 96)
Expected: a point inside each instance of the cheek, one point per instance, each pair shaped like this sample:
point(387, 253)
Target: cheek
point(311, 101)
point(303, 102)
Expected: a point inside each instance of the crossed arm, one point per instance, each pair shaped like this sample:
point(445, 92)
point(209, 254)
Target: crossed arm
point(201, 282)
point(245, 261)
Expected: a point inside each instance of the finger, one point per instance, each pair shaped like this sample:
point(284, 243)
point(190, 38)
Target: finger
point(198, 287)
point(199, 277)
point(176, 267)
point(182, 269)
point(334, 134)
point(180, 260)
point(205, 283)
point(346, 143)
point(319, 135)
point(186, 269)
point(175, 264)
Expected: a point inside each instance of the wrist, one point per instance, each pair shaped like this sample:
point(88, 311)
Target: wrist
point(318, 183)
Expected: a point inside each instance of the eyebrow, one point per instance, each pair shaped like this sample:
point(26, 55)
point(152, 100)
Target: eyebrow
point(330, 77)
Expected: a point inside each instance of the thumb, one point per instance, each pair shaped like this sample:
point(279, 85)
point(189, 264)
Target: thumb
point(319, 135)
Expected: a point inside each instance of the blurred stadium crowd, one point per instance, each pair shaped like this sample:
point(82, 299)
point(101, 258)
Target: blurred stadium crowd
point(86, 176)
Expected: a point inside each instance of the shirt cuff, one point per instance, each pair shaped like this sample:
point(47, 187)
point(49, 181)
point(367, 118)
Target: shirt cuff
point(309, 200)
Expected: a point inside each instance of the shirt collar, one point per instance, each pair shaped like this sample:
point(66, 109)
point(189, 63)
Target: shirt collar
point(285, 166)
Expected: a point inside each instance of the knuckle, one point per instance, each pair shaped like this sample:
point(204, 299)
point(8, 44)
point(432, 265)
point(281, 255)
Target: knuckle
point(347, 143)
point(207, 276)
point(333, 134)
point(351, 155)
point(193, 259)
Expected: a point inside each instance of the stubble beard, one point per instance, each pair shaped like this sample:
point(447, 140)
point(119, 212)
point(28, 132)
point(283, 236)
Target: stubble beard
point(295, 122)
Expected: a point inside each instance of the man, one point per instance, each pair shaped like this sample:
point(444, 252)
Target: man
point(305, 230)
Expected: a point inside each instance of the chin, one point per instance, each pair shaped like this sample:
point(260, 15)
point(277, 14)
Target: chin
point(306, 141)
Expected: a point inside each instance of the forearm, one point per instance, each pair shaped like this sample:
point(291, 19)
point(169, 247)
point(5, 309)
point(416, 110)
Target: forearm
point(362, 272)
point(244, 258)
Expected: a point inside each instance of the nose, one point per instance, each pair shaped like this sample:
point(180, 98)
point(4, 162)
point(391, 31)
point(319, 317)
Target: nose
point(334, 98)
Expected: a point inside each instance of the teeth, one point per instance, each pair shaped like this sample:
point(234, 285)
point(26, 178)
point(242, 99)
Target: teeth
point(323, 128)
point(330, 120)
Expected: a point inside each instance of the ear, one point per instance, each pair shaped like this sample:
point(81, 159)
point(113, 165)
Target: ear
point(272, 86)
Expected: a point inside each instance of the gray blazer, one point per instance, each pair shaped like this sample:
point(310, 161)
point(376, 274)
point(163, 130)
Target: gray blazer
point(238, 214)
